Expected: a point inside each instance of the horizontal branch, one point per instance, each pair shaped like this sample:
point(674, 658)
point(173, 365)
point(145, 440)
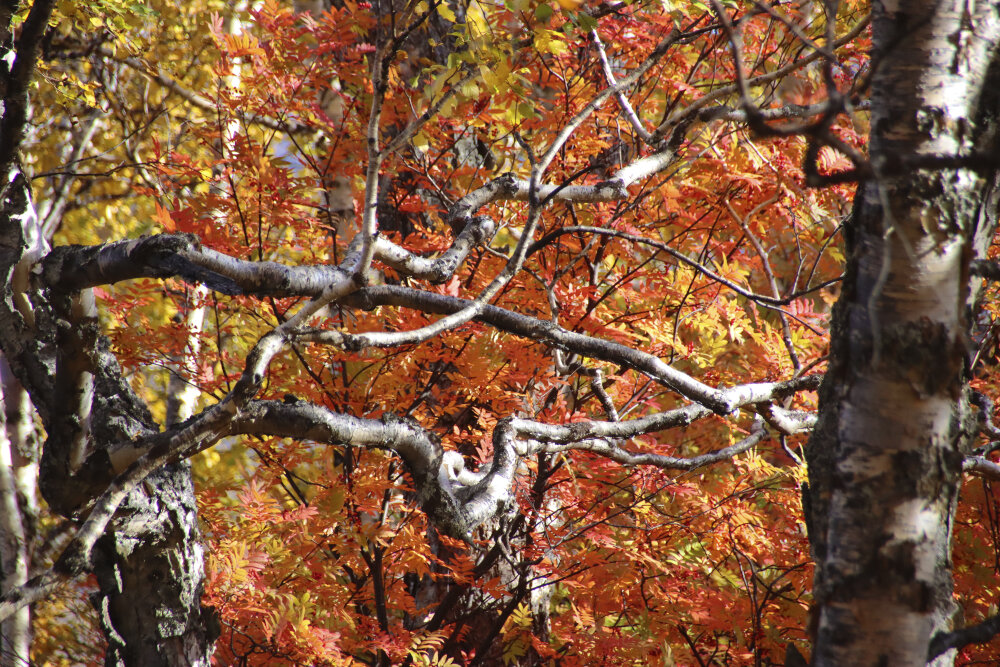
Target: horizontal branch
point(34, 590)
point(981, 466)
point(985, 268)
point(520, 325)
point(614, 451)
point(719, 401)
point(739, 115)
point(455, 499)
point(73, 267)
point(508, 187)
point(76, 267)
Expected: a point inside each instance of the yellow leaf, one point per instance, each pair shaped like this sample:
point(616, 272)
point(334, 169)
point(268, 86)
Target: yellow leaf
point(549, 41)
point(420, 141)
point(446, 13)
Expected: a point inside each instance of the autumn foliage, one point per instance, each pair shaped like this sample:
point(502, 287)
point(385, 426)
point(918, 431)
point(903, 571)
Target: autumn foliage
point(724, 265)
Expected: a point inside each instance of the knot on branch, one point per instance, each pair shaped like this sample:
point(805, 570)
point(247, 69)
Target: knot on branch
point(161, 251)
point(481, 228)
point(610, 189)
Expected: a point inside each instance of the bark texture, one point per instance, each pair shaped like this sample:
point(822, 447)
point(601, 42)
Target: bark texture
point(18, 510)
point(149, 562)
point(885, 459)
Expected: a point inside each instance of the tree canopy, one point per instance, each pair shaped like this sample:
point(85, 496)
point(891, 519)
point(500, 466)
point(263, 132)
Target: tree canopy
point(482, 333)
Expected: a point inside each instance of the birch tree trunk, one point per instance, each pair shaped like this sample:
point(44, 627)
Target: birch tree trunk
point(885, 459)
point(18, 510)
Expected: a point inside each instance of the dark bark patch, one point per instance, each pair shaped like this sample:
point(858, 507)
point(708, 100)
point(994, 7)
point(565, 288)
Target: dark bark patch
point(922, 354)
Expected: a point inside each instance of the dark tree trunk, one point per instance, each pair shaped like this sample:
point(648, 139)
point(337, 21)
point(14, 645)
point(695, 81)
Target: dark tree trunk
point(885, 459)
point(150, 571)
point(149, 564)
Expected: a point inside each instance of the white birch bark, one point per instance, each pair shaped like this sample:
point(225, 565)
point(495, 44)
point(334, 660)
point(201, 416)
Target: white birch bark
point(886, 458)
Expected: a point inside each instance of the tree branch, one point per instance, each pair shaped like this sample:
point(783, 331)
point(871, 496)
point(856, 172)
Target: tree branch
point(614, 451)
point(975, 634)
point(981, 466)
point(75, 267)
point(760, 299)
point(720, 401)
point(739, 115)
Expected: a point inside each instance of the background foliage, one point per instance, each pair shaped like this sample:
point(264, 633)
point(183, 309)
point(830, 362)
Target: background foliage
point(247, 127)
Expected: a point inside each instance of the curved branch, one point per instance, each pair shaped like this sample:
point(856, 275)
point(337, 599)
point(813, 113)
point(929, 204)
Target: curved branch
point(982, 466)
point(456, 500)
point(438, 270)
point(616, 453)
point(520, 325)
point(75, 267)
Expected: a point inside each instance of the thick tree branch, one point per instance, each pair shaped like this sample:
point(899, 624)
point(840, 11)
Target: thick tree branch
point(456, 500)
point(74, 267)
point(985, 268)
point(982, 466)
point(739, 115)
point(438, 270)
point(180, 255)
